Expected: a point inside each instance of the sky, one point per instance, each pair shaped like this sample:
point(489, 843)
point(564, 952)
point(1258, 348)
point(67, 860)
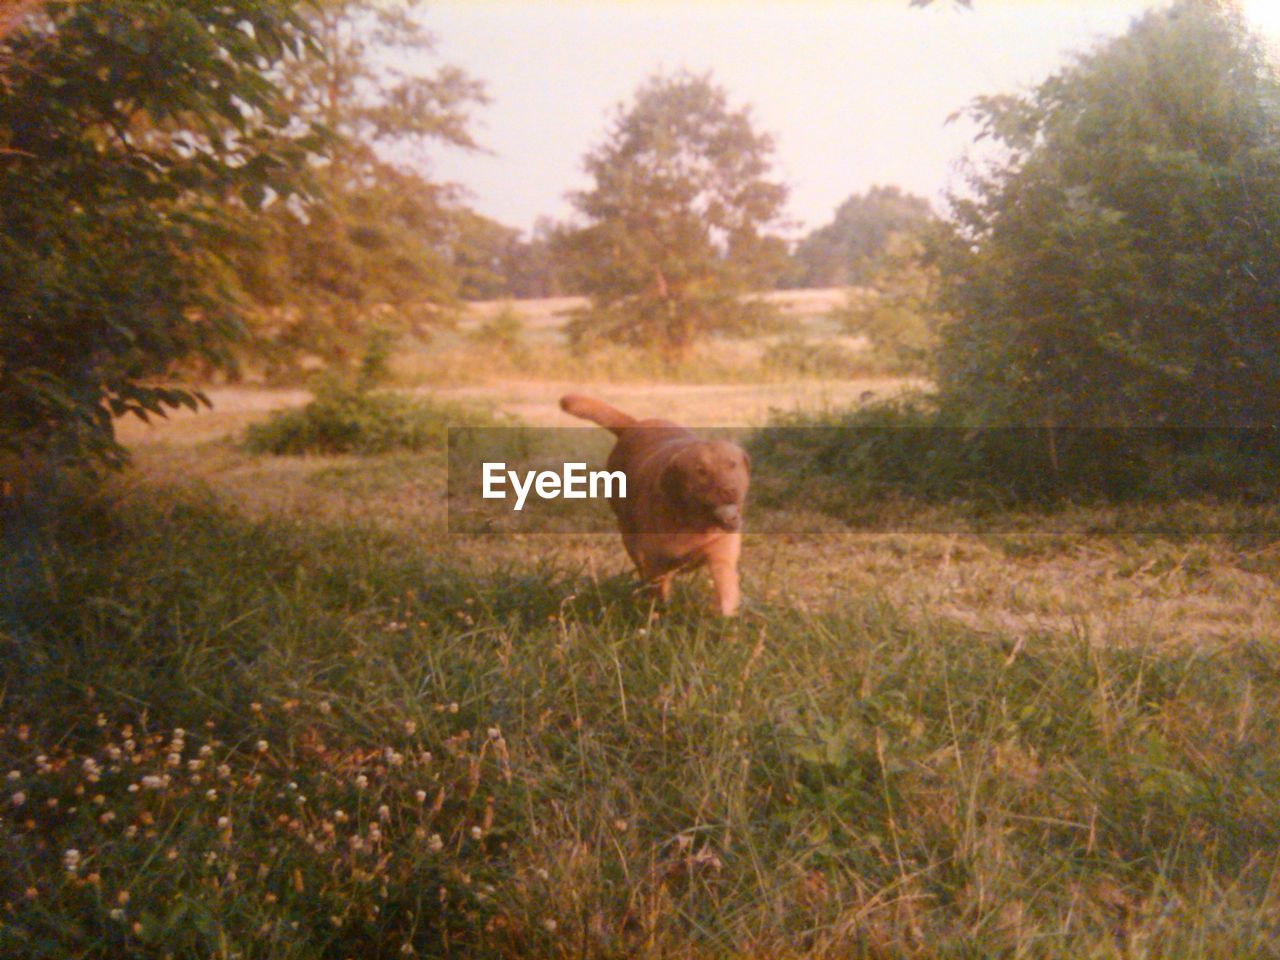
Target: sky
point(855, 92)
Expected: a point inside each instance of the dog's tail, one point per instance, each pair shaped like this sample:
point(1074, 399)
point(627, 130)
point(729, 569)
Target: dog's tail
point(589, 408)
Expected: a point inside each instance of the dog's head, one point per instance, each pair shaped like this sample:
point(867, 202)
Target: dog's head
point(708, 481)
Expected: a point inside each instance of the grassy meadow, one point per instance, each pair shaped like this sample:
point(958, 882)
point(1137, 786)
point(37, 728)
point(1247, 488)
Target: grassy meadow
point(265, 706)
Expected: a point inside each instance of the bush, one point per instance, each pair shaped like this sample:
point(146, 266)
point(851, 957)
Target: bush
point(1121, 267)
point(343, 419)
point(839, 462)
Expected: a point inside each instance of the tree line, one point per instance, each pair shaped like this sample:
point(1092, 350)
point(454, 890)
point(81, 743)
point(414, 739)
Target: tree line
point(180, 183)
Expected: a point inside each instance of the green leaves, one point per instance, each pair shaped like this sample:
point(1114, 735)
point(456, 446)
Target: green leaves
point(130, 130)
point(1120, 266)
point(676, 218)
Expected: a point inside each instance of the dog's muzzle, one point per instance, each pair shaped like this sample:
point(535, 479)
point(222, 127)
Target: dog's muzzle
point(728, 516)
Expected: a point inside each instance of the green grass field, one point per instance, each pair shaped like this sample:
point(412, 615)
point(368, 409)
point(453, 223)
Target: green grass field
point(261, 706)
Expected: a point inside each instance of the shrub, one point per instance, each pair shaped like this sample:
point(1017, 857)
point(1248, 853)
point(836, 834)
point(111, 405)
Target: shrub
point(343, 419)
point(839, 462)
point(1121, 266)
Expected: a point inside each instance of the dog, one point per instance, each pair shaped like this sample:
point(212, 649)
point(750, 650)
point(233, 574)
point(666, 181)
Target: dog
point(685, 498)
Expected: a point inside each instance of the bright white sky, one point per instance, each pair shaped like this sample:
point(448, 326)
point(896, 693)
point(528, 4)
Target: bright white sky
point(855, 93)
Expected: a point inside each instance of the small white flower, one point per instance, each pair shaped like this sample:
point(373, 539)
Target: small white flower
point(13, 775)
point(361, 781)
point(131, 831)
point(550, 924)
point(434, 843)
point(117, 914)
point(384, 813)
point(114, 752)
point(18, 799)
point(224, 823)
point(211, 795)
point(206, 751)
point(173, 760)
point(495, 733)
point(477, 833)
point(324, 706)
point(421, 796)
point(100, 720)
point(263, 746)
point(393, 758)
point(194, 765)
point(71, 860)
point(179, 733)
point(223, 771)
point(410, 727)
point(153, 782)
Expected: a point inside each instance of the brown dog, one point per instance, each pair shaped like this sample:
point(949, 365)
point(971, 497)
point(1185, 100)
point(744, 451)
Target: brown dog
point(684, 498)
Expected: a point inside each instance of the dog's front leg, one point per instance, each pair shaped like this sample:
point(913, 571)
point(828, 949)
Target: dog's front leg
point(724, 576)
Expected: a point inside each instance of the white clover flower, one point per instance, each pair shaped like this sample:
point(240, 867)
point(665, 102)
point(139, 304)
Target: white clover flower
point(71, 860)
point(173, 760)
point(324, 706)
point(434, 843)
point(18, 798)
point(384, 813)
point(340, 816)
point(13, 775)
point(130, 745)
point(393, 758)
point(107, 817)
point(375, 833)
point(361, 781)
point(410, 727)
point(117, 914)
point(179, 734)
point(114, 752)
point(153, 782)
point(224, 823)
point(263, 746)
point(421, 796)
point(194, 765)
point(476, 833)
point(130, 831)
point(550, 924)
point(100, 720)
point(223, 771)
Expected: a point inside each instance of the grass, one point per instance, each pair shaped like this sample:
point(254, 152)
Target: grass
point(501, 755)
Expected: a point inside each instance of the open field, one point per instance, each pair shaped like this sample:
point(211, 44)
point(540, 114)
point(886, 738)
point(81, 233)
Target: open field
point(397, 742)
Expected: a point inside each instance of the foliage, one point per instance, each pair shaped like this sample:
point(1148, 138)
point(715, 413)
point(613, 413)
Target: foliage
point(846, 462)
point(798, 355)
point(847, 251)
point(1121, 267)
point(375, 239)
point(132, 136)
point(675, 219)
point(346, 419)
point(563, 777)
point(897, 310)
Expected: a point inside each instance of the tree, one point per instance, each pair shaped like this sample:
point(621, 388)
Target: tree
point(124, 130)
point(1121, 266)
point(846, 251)
point(675, 218)
point(375, 234)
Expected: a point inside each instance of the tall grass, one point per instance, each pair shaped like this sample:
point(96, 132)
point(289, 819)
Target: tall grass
point(409, 752)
